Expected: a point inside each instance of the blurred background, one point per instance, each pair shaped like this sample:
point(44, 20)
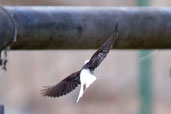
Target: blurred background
point(128, 81)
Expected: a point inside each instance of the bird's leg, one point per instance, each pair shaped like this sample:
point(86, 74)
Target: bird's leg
point(84, 87)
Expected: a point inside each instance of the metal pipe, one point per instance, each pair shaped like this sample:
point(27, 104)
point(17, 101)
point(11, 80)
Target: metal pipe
point(41, 27)
point(1, 109)
point(7, 28)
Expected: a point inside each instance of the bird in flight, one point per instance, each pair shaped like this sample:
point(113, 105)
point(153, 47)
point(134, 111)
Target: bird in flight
point(83, 77)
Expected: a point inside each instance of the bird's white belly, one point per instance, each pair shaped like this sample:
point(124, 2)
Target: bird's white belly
point(86, 79)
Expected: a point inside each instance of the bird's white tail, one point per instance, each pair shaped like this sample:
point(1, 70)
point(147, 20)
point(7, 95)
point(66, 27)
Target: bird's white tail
point(86, 79)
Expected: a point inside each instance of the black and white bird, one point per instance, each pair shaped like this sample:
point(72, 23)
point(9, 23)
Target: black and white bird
point(83, 77)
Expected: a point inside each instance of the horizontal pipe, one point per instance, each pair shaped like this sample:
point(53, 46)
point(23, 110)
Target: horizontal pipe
point(42, 27)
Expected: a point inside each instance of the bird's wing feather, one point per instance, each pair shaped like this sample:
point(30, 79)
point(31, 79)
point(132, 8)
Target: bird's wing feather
point(102, 52)
point(64, 87)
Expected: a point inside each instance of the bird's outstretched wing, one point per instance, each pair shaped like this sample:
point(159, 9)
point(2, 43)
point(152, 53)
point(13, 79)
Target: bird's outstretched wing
point(64, 87)
point(102, 52)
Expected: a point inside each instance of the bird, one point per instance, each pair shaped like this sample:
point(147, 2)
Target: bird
point(84, 77)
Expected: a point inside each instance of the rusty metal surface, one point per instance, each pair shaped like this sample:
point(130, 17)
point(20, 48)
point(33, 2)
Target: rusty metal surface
point(41, 27)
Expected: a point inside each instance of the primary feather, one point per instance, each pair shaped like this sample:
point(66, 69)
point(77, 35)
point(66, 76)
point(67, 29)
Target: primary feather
point(102, 52)
point(62, 88)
